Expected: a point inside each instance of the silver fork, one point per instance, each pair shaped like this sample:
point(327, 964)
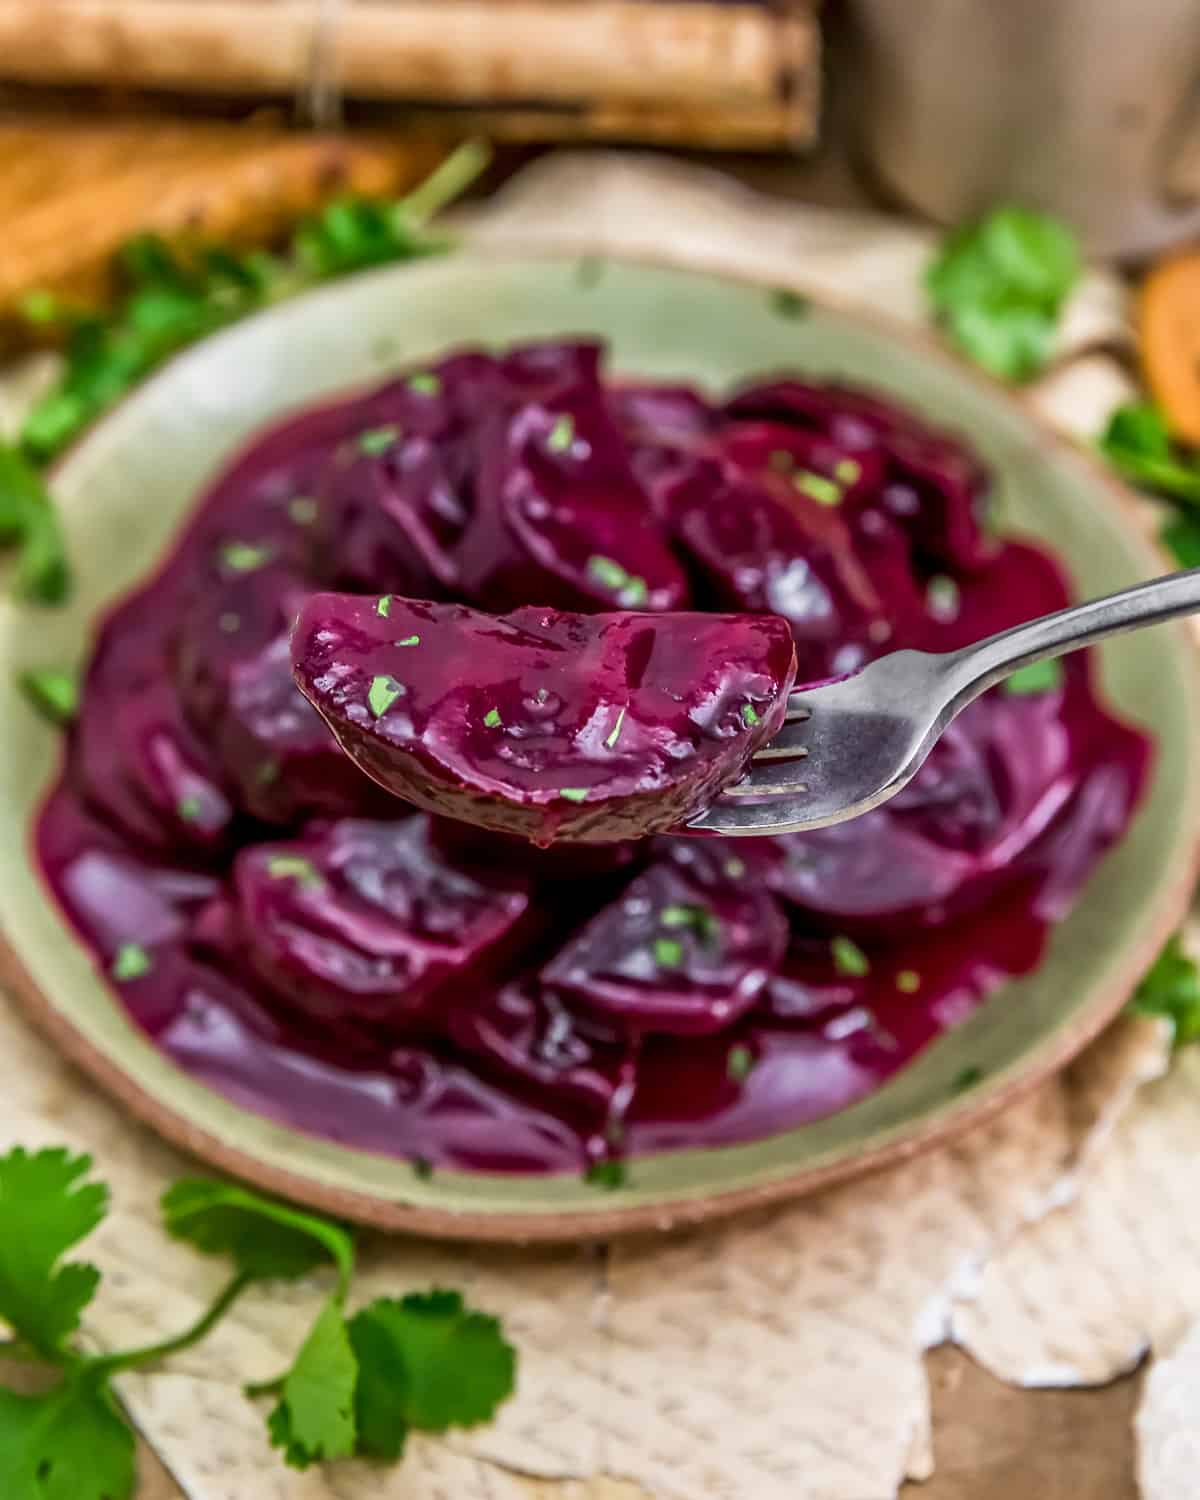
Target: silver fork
point(850, 745)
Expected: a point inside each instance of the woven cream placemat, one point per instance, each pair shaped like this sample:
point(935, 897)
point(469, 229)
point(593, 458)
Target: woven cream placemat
point(793, 1336)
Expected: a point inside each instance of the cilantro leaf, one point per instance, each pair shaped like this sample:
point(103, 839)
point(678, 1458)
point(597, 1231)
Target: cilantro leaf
point(28, 519)
point(43, 1194)
point(264, 1237)
point(1136, 442)
point(1171, 988)
point(314, 1419)
point(998, 286)
point(426, 1361)
point(1181, 537)
point(70, 1444)
point(55, 694)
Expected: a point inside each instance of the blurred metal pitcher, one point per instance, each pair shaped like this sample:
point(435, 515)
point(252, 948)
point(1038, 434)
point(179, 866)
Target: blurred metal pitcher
point(1085, 108)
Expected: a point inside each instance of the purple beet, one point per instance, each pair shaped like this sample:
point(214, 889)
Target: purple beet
point(366, 922)
point(671, 956)
point(540, 723)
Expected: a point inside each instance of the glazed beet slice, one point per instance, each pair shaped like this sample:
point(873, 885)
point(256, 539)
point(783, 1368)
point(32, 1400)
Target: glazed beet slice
point(540, 723)
point(669, 956)
point(544, 1050)
point(366, 921)
point(560, 518)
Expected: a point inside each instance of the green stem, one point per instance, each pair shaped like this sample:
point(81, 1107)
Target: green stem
point(265, 1387)
point(446, 183)
point(149, 1353)
point(25, 1354)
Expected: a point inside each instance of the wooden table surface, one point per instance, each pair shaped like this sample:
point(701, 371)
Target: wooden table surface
point(991, 1442)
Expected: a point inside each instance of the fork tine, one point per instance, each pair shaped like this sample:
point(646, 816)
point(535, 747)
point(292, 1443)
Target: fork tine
point(797, 710)
point(789, 742)
point(774, 779)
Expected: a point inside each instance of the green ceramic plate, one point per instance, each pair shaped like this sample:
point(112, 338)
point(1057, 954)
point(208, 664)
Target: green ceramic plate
point(125, 488)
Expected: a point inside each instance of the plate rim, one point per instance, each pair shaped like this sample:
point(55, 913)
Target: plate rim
point(899, 1142)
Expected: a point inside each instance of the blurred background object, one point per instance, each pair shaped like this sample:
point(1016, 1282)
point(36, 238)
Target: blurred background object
point(734, 74)
point(1089, 109)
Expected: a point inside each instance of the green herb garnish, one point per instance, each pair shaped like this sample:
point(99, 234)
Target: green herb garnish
point(1181, 537)
point(1136, 442)
point(1037, 677)
point(607, 1174)
point(561, 435)
point(740, 1063)
point(29, 522)
point(189, 808)
point(377, 440)
point(245, 557)
point(908, 981)
point(131, 961)
point(750, 715)
point(294, 867)
point(695, 918)
point(424, 383)
point(1171, 988)
point(574, 793)
point(787, 303)
point(423, 1167)
point(409, 640)
point(998, 287)
point(848, 957)
point(943, 597)
point(817, 487)
point(355, 1387)
point(967, 1079)
point(614, 734)
point(847, 471)
point(383, 606)
point(492, 718)
point(631, 591)
point(54, 694)
point(735, 868)
point(668, 952)
point(382, 693)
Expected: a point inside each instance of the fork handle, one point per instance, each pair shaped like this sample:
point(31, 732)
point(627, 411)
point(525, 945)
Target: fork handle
point(996, 657)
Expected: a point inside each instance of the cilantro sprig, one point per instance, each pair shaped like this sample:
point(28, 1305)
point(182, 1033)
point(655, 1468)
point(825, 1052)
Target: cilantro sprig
point(999, 285)
point(167, 300)
point(1171, 988)
point(356, 1386)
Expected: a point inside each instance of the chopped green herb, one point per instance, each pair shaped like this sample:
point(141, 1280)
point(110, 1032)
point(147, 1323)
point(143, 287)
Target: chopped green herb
point(943, 597)
point(384, 606)
point(967, 1079)
point(409, 640)
point(631, 591)
point(377, 440)
point(1037, 677)
point(54, 694)
point(561, 435)
point(302, 509)
point(423, 1167)
point(189, 808)
point(245, 557)
point(606, 1174)
point(817, 487)
point(847, 471)
point(668, 952)
point(998, 287)
point(131, 962)
point(848, 957)
point(293, 867)
point(574, 793)
point(424, 383)
point(28, 520)
point(698, 919)
point(229, 622)
point(382, 693)
point(614, 734)
point(740, 1063)
point(908, 981)
point(492, 718)
point(787, 303)
point(1171, 988)
point(750, 715)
